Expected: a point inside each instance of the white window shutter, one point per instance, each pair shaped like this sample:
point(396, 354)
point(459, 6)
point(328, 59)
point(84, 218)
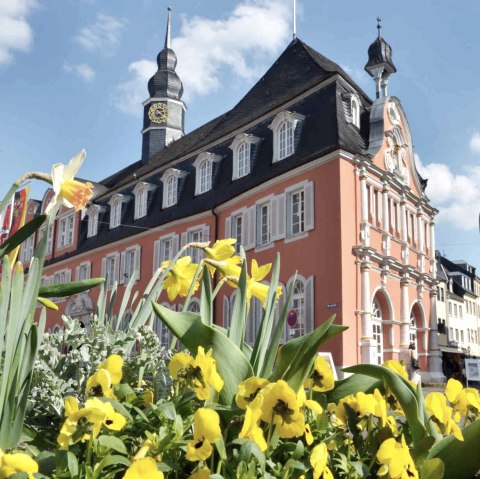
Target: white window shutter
point(138, 260)
point(68, 275)
point(309, 305)
point(228, 227)
point(77, 273)
point(89, 270)
point(184, 239)
point(206, 233)
point(117, 266)
point(278, 217)
point(309, 206)
point(104, 267)
point(156, 255)
point(250, 228)
point(226, 312)
point(175, 244)
point(121, 277)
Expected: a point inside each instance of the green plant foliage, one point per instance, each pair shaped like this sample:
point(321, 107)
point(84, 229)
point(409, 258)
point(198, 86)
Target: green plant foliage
point(62, 290)
point(21, 235)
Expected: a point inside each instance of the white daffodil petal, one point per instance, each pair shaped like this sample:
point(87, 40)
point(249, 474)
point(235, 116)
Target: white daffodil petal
point(74, 165)
point(58, 174)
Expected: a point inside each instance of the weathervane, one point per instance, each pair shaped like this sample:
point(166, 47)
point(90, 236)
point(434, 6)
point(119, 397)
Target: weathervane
point(379, 25)
point(294, 19)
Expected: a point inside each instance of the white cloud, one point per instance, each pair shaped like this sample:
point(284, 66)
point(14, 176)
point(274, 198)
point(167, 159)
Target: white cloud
point(205, 48)
point(130, 94)
point(15, 31)
point(475, 142)
point(457, 196)
point(82, 70)
point(102, 36)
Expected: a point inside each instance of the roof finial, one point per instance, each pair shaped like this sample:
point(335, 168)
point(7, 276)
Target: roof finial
point(294, 19)
point(379, 25)
point(167, 35)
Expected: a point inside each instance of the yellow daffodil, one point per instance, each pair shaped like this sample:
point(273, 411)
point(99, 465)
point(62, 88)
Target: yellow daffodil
point(247, 390)
point(322, 377)
point(281, 407)
point(318, 460)
point(202, 473)
point(396, 460)
point(16, 463)
point(251, 425)
point(68, 191)
point(206, 431)
point(143, 468)
point(220, 251)
point(396, 367)
point(257, 289)
point(441, 415)
point(180, 277)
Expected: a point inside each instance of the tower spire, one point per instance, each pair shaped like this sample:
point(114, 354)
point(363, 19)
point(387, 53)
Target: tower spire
point(379, 26)
point(167, 34)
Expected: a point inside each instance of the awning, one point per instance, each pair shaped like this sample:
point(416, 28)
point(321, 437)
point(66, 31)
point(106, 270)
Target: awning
point(446, 349)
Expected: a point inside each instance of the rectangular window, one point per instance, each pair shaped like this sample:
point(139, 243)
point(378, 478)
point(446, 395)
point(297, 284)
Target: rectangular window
point(141, 203)
point(263, 222)
point(455, 310)
point(297, 212)
point(65, 233)
point(237, 226)
point(92, 223)
point(110, 269)
point(450, 308)
point(116, 214)
point(285, 138)
point(27, 248)
point(83, 271)
point(129, 264)
point(195, 236)
point(166, 249)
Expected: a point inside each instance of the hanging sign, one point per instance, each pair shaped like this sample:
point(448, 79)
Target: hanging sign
point(292, 318)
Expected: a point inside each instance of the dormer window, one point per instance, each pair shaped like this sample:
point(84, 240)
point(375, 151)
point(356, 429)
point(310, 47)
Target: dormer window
point(204, 165)
point(285, 128)
point(352, 108)
point(116, 209)
point(242, 148)
point(141, 192)
point(93, 214)
point(170, 180)
point(355, 108)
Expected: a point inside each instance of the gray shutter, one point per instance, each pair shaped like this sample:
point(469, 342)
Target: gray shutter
point(309, 305)
point(206, 233)
point(175, 245)
point(184, 239)
point(226, 312)
point(309, 206)
point(121, 276)
point(77, 273)
point(156, 255)
point(89, 270)
point(68, 276)
point(250, 228)
point(104, 267)
point(278, 217)
point(228, 228)
point(117, 266)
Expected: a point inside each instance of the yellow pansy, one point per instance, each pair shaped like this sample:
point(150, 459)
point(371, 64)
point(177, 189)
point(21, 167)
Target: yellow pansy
point(396, 367)
point(281, 407)
point(205, 374)
point(392, 425)
point(108, 374)
point(179, 366)
point(202, 473)
point(113, 364)
point(318, 460)
point(143, 468)
point(68, 191)
point(251, 425)
point(17, 462)
point(380, 407)
point(247, 390)
point(396, 460)
point(309, 403)
point(322, 377)
point(462, 400)
point(441, 415)
point(147, 397)
point(206, 431)
point(180, 277)
point(308, 434)
point(113, 420)
point(71, 405)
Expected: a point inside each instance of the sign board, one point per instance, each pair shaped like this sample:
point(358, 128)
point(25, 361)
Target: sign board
point(328, 357)
point(332, 305)
point(292, 318)
point(472, 369)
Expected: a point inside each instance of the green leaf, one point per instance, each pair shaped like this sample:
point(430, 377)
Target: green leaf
point(67, 289)
point(67, 461)
point(232, 365)
point(461, 458)
point(236, 333)
point(110, 460)
point(404, 393)
point(295, 358)
point(352, 385)
point(432, 469)
point(206, 303)
point(46, 462)
point(21, 235)
point(112, 442)
point(248, 449)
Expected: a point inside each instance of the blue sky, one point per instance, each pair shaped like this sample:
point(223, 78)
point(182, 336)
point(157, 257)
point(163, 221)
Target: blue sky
point(73, 75)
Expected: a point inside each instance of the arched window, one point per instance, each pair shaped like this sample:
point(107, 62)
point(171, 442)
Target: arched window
point(377, 328)
point(355, 108)
point(194, 306)
point(171, 196)
point(205, 172)
point(285, 139)
point(92, 222)
point(141, 192)
point(243, 165)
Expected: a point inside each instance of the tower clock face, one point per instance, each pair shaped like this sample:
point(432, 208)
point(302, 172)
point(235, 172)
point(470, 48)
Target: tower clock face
point(158, 113)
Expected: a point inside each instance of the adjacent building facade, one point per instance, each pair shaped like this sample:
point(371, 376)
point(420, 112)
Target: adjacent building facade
point(305, 164)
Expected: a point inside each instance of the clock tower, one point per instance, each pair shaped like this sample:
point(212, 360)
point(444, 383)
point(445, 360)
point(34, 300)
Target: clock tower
point(164, 111)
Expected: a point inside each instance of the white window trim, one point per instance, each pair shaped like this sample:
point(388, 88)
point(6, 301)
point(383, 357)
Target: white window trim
point(141, 187)
point(65, 217)
point(88, 265)
point(309, 209)
point(267, 200)
point(235, 147)
point(171, 172)
point(116, 257)
point(136, 250)
point(68, 278)
point(201, 159)
point(293, 117)
point(157, 248)
point(186, 238)
point(93, 214)
point(117, 200)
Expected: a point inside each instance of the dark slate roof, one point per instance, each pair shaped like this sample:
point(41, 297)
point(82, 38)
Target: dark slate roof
point(298, 69)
